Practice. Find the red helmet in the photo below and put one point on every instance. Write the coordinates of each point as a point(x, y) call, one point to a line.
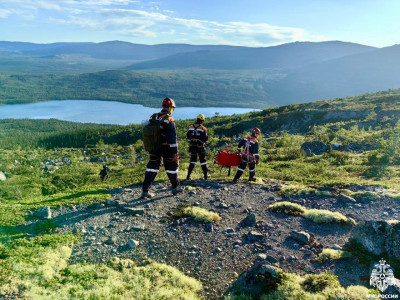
point(256, 131)
point(168, 102)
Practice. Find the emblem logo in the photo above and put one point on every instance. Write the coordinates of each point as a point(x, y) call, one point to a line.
point(382, 276)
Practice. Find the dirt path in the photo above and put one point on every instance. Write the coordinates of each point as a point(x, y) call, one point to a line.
point(216, 258)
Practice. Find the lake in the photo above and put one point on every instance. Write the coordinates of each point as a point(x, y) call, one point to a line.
point(104, 112)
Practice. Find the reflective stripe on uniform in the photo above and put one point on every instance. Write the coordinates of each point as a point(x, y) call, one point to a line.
point(204, 163)
point(240, 169)
point(172, 172)
point(251, 142)
point(191, 128)
point(252, 170)
point(193, 162)
point(166, 121)
point(152, 170)
point(173, 145)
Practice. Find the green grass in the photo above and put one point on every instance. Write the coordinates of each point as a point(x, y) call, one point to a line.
point(324, 286)
point(38, 269)
point(332, 255)
point(320, 216)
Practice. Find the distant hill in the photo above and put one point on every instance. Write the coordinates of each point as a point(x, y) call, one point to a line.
point(108, 50)
point(347, 76)
point(285, 56)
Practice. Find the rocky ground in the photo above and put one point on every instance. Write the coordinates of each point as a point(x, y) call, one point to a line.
point(134, 228)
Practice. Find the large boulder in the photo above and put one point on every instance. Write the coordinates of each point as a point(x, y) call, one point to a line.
point(314, 148)
point(379, 237)
point(43, 213)
point(250, 283)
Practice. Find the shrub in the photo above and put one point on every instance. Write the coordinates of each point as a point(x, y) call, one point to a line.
point(332, 254)
point(288, 208)
point(327, 216)
point(317, 283)
point(201, 214)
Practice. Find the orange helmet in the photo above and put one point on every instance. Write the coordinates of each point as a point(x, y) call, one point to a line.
point(168, 102)
point(256, 131)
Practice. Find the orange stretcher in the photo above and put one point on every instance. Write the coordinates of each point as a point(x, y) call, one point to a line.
point(228, 159)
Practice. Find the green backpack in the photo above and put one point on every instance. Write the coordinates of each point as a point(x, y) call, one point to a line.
point(152, 134)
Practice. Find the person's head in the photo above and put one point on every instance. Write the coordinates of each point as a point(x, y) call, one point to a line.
point(168, 104)
point(256, 132)
point(200, 118)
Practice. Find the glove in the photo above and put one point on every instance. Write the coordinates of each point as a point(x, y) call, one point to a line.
point(176, 157)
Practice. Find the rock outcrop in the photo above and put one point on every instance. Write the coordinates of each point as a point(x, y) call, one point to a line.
point(379, 237)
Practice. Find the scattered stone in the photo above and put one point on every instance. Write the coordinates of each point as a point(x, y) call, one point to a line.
point(95, 206)
point(196, 204)
point(111, 202)
point(222, 205)
point(133, 244)
point(271, 198)
point(133, 211)
point(314, 148)
point(346, 199)
point(261, 256)
point(218, 250)
point(209, 227)
point(254, 236)
point(229, 230)
point(43, 213)
point(249, 221)
point(2, 176)
point(336, 247)
point(301, 237)
point(110, 241)
point(272, 259)
point(139, 227)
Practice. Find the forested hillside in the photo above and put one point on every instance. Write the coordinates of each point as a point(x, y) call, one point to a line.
point(63, 231)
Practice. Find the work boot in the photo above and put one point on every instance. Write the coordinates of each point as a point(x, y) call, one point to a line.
point(206, 175)
point(235, 181)
point(188, 177)
point(177, 190)
point(147, 195)
point(252, 179)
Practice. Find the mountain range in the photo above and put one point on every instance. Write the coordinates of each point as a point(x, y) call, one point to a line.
point(277, 75)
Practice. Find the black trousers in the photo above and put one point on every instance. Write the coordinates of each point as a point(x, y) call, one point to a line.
point(153, 167)
point(196, 151)
point(243, 164)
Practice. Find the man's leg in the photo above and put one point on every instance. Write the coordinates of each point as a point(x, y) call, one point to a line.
point(153, 167)
point(241, 169)
point(193, 162)
point(171, 168)
point(252, 170)
point(203, 162)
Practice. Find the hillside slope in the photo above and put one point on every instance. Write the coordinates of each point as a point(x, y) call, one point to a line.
point(367, 72)
point(289, 56)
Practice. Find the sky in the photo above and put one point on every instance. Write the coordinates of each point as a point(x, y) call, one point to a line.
point(254, 23)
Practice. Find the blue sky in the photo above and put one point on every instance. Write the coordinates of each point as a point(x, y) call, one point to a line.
point(235, 22)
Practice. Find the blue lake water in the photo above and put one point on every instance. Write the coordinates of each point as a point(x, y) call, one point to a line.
point(104, 112)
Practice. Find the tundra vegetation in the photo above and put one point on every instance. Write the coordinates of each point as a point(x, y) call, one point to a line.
point(54, 163)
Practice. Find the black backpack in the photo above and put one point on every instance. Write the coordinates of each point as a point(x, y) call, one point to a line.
point(152, 140)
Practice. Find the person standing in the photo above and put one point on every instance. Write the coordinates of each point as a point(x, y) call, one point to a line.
point(198, 137)
point(167, 152)
point(249, 155)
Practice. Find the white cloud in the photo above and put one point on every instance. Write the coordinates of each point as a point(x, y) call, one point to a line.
point(128, 18)
point(4, 13)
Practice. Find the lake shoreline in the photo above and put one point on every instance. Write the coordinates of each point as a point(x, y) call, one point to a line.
point(106, 112)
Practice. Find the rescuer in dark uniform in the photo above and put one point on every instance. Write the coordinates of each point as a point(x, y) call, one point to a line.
point(167, 153)
point(249, 155)
point(197, 136)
